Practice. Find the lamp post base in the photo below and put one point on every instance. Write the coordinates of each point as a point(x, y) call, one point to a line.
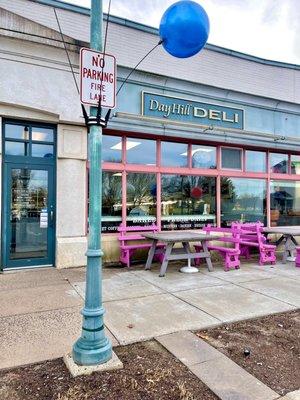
point(76, 370)
point(86, 352)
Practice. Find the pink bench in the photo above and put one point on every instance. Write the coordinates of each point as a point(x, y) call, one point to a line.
point(251, 236)
point(131, 240)
point(297, 257)
point(230, 254)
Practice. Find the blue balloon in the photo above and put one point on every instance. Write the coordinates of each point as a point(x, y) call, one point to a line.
point(184, 29)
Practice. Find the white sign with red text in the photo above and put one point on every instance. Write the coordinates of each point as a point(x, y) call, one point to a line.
point(97, 78)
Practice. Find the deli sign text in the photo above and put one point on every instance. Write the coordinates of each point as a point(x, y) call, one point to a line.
point(183, 110)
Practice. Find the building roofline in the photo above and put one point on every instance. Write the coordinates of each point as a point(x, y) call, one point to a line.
point(154, 31)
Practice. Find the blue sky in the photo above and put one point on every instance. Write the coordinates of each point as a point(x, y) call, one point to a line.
point(265, 28)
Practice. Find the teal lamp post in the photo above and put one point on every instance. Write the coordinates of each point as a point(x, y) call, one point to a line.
point(184, 30)
point(93, 347)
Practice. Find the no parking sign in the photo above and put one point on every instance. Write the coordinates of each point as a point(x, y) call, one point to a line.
point(97, 78)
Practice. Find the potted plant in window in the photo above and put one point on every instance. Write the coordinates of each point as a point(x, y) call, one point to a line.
point(274, 216)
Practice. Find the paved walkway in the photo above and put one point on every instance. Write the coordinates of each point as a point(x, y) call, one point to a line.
point(223, 376)
point(40, 309)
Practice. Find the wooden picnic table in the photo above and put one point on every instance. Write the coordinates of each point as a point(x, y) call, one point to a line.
point(183, 253)
point(288, 237)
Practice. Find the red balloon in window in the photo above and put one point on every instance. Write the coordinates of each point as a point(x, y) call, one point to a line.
point(196, 192)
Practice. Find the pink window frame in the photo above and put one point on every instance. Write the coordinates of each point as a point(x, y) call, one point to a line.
point(218, 172)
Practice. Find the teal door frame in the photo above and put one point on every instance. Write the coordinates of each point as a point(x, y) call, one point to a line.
point(10, 162)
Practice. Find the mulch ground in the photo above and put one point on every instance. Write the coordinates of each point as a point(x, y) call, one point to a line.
point(274, 346)
point(150, 372)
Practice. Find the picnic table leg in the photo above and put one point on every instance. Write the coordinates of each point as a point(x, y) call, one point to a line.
point(278, 242)
point(290, 246)
point(285, 251)
point(151, 255)
point(164, 264)
point(294, 240)
point(208, 259)
point(188, 250)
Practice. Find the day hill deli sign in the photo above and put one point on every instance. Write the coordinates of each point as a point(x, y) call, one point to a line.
point(183, 110)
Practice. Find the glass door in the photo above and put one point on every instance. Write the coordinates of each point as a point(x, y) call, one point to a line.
point(29, 221)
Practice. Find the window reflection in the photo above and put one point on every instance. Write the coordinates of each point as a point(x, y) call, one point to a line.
point(111, 148)
point(295, 164)
point(285, 203)
point(231, 158)
point(42, 150)
point(16, 149)
point(29, 197)
point(42, 134)
point(140, 151)
point(111, 201)
point(16, 131)
point(278, 163)
point(187, 202)
point(204, 157)
point(174, 154)
point(243, 199)
point(255, 161)
point(141, 199)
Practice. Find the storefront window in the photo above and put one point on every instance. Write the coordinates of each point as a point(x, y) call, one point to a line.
point(279, 163)
point(204, 157)
point(255, 161)
point(174, 154)
point(187, 202)
point(243, 199)
point(141, 199)
point(140, 151)
point(285, 203)
point(231, 158)
point(111, 201)
point(111, 148)
point(295, 165)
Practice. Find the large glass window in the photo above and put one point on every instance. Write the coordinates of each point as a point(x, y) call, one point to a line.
point(255, 161)
point(204, 157)
point(141, 151)
point(285, 203)
point(187, 202)
point(111, 148)
point(111, 201)
point(29, 140)
point(295, 164)
point(243, 199)
point(174, 154)
point(279, 163)
point(141, 199)
point(231, 158)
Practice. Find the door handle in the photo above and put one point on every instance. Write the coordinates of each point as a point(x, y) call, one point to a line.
point(51, 216)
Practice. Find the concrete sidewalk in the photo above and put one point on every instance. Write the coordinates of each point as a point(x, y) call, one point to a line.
point(40, 309)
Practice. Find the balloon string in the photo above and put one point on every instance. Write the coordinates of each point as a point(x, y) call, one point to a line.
point(128, 76)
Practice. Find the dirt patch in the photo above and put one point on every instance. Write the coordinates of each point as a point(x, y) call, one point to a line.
point(150, 372)
point(274, 346)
